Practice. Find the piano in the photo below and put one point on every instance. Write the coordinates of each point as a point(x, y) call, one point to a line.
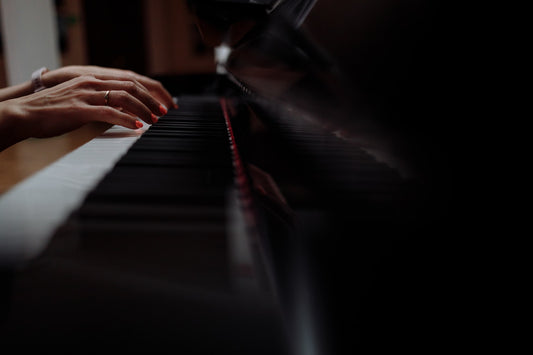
point(293, 204)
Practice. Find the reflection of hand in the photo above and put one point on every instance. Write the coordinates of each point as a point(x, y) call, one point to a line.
point(63, 74)
point(71, 104)
point(269, 192)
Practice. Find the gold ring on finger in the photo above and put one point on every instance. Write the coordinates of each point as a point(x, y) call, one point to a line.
point(106, 97)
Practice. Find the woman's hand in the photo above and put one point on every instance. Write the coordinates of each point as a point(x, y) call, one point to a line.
point(58, 76)
point(73, 103)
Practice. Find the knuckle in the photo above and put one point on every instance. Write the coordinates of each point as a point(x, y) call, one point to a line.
point(122, 94)
point(131, 87)
point(122, 97)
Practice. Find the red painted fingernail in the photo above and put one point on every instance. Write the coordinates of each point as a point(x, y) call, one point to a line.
point(138, 124)
point(176, 106)
point(163, 109)
point(154, 118)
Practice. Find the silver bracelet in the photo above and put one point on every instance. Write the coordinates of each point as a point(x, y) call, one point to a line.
point(36, 79)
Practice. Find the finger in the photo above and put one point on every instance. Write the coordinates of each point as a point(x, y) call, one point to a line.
point(153, 86)
point(57, 76)
point(123, 99)
point(112, 116)
point(158, 90)
point(119, 77)
point(134, 90)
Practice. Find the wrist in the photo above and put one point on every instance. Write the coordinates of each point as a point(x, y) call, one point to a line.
point(13, 126)
point(15, 91)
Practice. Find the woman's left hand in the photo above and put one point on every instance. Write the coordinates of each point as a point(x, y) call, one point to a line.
point(58, 76)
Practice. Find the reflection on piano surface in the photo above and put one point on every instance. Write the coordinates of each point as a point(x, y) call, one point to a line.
point(276, 211)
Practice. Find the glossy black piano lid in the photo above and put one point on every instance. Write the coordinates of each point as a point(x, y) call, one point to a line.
point(378, 69)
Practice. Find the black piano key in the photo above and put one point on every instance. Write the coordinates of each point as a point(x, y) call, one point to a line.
point(169, 176)
point(169, 159)
point(164, 202)
point(141, 211)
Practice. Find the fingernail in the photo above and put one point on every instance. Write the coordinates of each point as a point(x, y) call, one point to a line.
point(154, 118)
point(138, 124)
point(175, 106)
point(163, 109)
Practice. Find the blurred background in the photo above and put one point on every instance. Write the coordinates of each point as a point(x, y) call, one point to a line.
point(396, 53)
point(152, 37)
point(157, 38)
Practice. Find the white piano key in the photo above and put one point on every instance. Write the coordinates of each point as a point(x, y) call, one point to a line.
point(31, 211)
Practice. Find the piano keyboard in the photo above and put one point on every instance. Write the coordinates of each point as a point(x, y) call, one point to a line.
point(171, 189)
point(156, 256)
point(31, 211)
point(161, 247)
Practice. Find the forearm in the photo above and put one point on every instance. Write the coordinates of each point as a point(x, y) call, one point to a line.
point(12, 128)
point(15, 91)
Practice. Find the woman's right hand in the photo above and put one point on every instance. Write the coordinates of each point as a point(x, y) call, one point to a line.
point(71, 104)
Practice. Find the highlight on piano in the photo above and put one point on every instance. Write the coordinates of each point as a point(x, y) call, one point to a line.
point(294, 201)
